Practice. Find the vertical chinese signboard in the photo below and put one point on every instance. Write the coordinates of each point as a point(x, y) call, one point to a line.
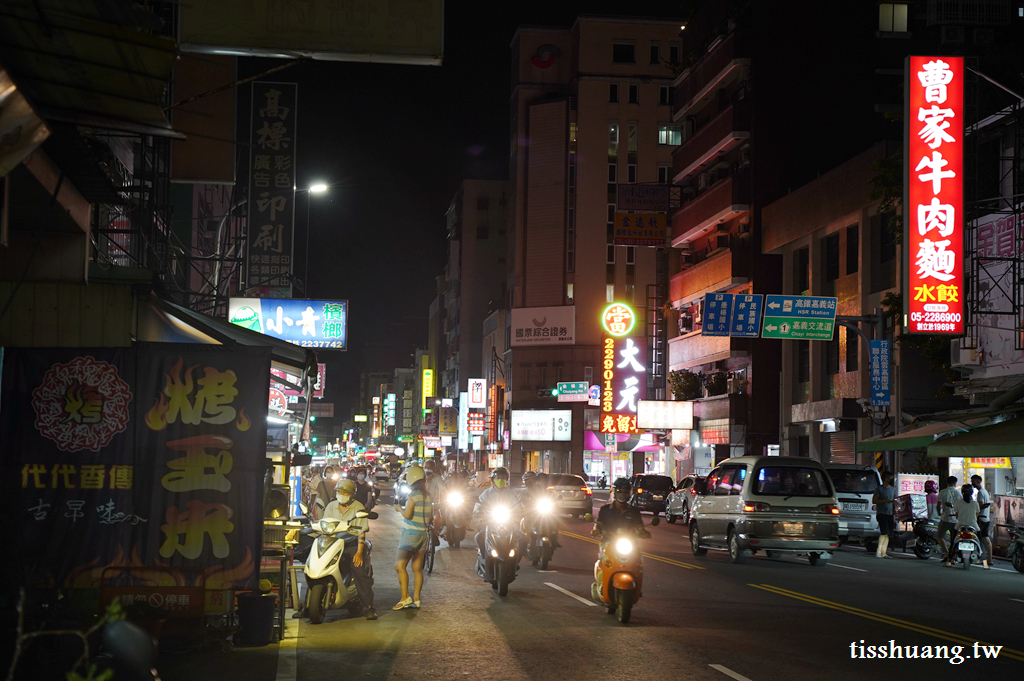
point(623, 370)
point(136, 457)
point(933, 207)
point(270, 257)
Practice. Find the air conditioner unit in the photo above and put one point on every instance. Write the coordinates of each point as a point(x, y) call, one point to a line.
point(952, 35)
point(685, 323)
point(962, 357)
point(745, 155)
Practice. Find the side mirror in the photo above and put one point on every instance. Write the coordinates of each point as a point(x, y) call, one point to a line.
point(589, 517)
point(655, 521)
point(131, 646)
point(303, 508)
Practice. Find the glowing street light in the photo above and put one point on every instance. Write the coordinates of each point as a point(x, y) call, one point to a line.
point(318, 188)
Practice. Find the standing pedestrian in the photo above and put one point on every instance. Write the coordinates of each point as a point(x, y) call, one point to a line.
point(931, 500)
point(412, 545)
point(947, 515)
point(884, 500)
point(984, 519)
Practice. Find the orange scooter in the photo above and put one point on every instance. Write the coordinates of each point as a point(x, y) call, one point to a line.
point(619, 571)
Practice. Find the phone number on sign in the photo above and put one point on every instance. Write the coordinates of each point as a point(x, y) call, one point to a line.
point(336, 345)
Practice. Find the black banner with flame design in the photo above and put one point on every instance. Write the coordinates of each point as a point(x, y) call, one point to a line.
point(152, 455)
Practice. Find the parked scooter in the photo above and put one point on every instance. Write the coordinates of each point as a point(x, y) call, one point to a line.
point(499, 561)
point(329, 588)
point(619, 571)
point(1015, 552)
point(455, 521)
point(923, 539)
point(966, 548)
point(542, 531)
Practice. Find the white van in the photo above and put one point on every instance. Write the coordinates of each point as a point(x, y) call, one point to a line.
point(766, 503)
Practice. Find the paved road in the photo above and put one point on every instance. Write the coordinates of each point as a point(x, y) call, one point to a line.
point(700, 618)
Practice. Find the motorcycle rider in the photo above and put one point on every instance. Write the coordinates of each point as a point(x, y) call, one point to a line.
point(344, 508)
point(618, 514)
point(535, 491)
point(499, 494)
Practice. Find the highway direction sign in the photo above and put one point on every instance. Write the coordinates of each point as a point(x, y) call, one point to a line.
point(799, 317)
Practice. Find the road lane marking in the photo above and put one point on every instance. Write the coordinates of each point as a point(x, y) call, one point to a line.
point(581, 599)
point(1017, 599)
point(728, 672)
point(670, 561)
point(845, 567)
point(885, 619)
point(287, 660)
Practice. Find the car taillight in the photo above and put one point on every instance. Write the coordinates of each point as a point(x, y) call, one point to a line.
point(693, 491)
point(639, 490)
point(756, 507)
point(831, 509)
point(586, 490)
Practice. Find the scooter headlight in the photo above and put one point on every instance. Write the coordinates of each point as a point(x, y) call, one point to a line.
point(494, 553)
point(404, 489)
point(501, 514)
point(545, 506)
point(512, 553)
point(454, 499)
point(623, 546)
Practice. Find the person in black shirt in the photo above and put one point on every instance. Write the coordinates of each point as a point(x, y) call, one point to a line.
point(618, 514)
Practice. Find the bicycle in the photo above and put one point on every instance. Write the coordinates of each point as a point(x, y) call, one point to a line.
point(428, 558)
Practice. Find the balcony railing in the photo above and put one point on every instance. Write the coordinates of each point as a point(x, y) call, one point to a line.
point(712, 68)
point(722, 270)
point(723, 201)
point(694, 349)
point(726, 130)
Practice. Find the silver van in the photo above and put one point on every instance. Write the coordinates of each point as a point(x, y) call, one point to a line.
point(855, 485)
point(775, 504)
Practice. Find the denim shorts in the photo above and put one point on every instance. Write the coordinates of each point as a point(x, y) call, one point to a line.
point(412, 541)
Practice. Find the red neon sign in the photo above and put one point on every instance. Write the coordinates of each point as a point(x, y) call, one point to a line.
point(933, 216)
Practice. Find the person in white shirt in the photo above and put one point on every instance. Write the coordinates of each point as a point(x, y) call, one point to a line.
point(354, 559)
point(947, 517)
point(967, 511)
point(984, 500)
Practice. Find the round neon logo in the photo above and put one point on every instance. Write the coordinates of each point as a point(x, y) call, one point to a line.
point(618, 319)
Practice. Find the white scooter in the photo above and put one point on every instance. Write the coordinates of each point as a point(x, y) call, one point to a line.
point(329, 588)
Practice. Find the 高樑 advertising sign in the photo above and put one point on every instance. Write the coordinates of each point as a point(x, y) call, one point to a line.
point(934, 205)
point(307, 323)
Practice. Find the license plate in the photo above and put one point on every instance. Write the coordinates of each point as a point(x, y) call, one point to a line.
point(854, 505)
point(657, 497)
point(966, 546)
point(568, 493)
point(911, 543)
point(792, 528)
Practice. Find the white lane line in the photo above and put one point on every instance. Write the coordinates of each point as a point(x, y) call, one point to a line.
point(845, 567)
point(287, 659)
point(582, 600)
point(1017, 599)
point(728, 672)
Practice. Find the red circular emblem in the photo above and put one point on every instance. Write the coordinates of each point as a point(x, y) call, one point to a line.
point(82, 404)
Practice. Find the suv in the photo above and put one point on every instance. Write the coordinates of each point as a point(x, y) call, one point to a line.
point(775, 504)
point(574, 495)
point(855, 485)
point(650, 492)
point(680, 501)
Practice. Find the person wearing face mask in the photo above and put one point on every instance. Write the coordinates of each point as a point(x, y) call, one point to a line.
point(364, 491)
point(354, 559)
point(618, 514)
point(499, 494)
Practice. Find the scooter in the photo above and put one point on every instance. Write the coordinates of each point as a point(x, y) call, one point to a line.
point(1015, 551)
point(542, 531)
point(619, 572)
point(966, 548)
point(454, 518)
point(499, 561)
point(329, 588)
point(923, 539)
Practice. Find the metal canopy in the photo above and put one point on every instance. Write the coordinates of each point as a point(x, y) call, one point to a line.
point(920, 437)
point(83, 70)
point(1002, 439)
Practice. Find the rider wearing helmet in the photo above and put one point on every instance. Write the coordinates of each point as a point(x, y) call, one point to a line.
point(618, 514)
point(535, 491)
point(931, 497)
point(354, 560)
point(499, 494)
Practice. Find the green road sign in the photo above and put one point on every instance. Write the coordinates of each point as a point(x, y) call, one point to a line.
point(799, 318)
point(579, 388)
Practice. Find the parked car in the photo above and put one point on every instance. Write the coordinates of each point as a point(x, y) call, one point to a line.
point(855, 485)
point(650, 492)
point(766, 503)
point(574, 495)
point(680, 501)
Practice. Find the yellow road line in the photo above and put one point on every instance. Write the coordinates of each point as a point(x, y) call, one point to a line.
point(885, 619)
point(662, 559)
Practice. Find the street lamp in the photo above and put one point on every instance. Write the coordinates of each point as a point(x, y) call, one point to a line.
point(318, 188)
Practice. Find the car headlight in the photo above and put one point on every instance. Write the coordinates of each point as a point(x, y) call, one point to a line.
point(500, 514)
point(404, 489)
point(623, 546)
point(454, 500)
point(545, 506)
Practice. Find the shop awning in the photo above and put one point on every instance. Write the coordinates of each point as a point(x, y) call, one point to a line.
point(922, 436)
point(1001, 439)
point(165, 322)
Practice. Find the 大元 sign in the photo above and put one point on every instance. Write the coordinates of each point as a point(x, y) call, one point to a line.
point(543, 325)
point(624, 383)
point(933, 234)
point(307, 323)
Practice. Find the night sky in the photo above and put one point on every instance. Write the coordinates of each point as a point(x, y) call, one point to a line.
point(399, 140)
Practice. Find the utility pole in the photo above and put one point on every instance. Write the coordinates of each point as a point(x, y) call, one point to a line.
point(877, 321)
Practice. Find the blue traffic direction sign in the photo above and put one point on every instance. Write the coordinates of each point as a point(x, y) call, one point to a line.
point(732, 314)
point(717, 309)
